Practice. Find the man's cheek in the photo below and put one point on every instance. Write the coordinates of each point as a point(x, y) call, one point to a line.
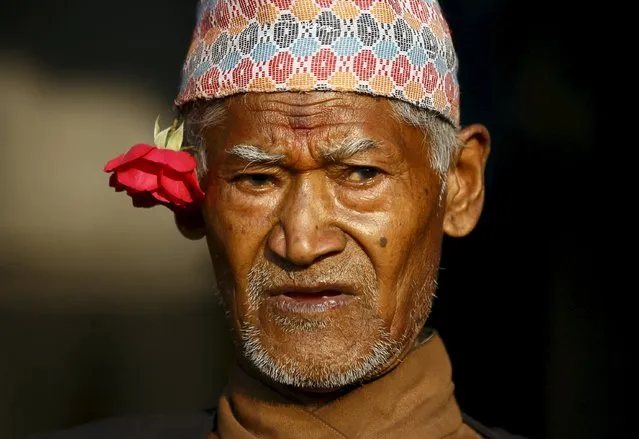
point(243, 237)
point(234, 217)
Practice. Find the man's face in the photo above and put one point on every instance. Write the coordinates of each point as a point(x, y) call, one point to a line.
point(324, 223)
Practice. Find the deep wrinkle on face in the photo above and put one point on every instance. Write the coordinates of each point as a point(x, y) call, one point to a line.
point(281, 203)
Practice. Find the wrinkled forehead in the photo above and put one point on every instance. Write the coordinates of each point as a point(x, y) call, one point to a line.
point(311, 111)
point(322, 122)
point(308, 109)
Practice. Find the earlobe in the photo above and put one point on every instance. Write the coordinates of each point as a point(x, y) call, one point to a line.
point(191, 224)
point(465, 181)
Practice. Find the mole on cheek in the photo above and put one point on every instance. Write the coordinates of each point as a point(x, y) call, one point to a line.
point(383, 241)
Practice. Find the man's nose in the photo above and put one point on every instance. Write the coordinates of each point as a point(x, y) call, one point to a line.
point(306, 231)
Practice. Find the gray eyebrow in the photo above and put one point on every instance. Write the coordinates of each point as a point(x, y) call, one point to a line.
point(255, 154)
point(349, 148)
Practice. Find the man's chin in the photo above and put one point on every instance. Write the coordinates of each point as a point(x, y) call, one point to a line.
point(317, 354)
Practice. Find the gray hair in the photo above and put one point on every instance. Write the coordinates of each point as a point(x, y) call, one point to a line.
point(442, 135)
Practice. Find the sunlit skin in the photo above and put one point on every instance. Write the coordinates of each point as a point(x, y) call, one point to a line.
point(362, 231)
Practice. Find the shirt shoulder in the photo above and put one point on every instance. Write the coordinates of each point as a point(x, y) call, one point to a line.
point(156, 426)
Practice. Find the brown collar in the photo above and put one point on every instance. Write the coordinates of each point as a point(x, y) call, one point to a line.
point(414, 400)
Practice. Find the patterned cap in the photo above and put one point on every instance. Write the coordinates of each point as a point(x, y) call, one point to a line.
point(395, 48)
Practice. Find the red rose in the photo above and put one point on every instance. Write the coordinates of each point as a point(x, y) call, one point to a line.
point(153, 176)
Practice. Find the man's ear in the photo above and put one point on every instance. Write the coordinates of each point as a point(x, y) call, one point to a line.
point(191, 223)
point(465, 181)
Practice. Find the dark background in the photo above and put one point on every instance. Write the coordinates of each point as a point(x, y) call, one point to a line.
point(105, 311)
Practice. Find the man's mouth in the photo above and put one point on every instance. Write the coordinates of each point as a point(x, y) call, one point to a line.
point(311, 300)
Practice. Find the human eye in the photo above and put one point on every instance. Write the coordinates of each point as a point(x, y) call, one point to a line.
point(361, 174)
point(254, 181)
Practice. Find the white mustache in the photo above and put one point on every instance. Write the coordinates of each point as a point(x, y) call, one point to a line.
point(265, 276)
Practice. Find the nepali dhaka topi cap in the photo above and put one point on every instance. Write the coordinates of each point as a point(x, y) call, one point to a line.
point(400, 49)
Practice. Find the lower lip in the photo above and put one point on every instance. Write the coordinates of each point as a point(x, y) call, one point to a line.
point(310, 303)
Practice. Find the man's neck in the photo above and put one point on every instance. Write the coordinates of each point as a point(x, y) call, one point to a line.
point(315, 398)
point(414, 399)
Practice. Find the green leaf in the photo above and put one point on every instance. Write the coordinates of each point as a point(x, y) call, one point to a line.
point(156, 129)
point(160, 138)
point(175, 137)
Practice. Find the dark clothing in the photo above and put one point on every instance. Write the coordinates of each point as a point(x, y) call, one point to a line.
point(188, 426)
point(488, 433)
point(414, 400)
point(160, 426)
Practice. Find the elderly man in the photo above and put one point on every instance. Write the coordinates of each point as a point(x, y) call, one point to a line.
point(330, 162)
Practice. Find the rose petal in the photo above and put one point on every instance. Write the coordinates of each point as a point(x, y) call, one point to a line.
point(113, 163)
point(144, 199)
point(141, 176)
point(180, 161)
point(172, 203)
point(194, 185)
point(135, 153)
point(174, 185)
point(158, 196)
point(113, 182)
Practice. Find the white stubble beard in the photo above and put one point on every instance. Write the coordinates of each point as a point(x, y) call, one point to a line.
point(290, 371)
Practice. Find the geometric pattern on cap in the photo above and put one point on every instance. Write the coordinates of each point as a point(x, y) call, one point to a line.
point(400, 49)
